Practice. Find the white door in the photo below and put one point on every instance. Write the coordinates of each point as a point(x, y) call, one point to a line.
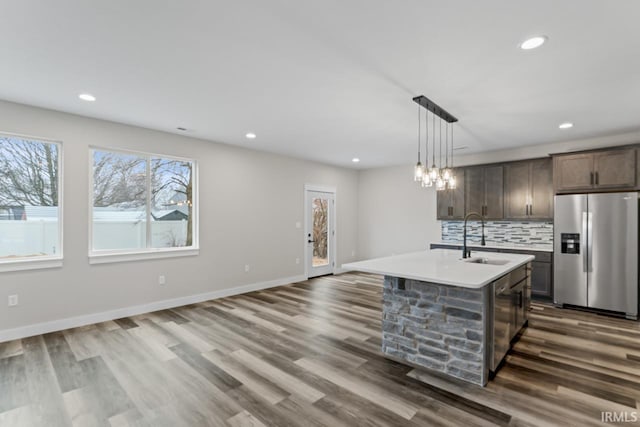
point(320, 232)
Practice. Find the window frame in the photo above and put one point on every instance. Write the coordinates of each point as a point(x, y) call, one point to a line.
point(139, 254)
point(44, 261)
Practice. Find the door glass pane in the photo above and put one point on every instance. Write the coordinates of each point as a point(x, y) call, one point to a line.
point(320, 232)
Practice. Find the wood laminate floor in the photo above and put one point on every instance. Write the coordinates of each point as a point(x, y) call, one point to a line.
point(308, 354)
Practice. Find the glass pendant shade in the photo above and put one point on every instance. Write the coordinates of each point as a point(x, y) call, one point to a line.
point(418, 172)
point(434, 172)
point(426, 182)
point(452, 182)
point(440, 183)
point(446, 174)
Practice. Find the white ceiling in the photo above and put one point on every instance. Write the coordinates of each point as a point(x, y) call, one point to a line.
point(331, 79)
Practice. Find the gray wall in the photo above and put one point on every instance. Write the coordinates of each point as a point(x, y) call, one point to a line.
point(396, 215)
point(249, 204)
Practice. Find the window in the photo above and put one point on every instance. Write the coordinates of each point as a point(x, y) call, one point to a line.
point(142, 204)
point(30, 208)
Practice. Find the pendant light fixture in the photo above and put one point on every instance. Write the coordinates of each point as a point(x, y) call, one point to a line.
point(452, 180)
point(426, 179)
point(419, 169)
point(440, 182)
point(434, 172)
point(440, 175)
point(446, 173)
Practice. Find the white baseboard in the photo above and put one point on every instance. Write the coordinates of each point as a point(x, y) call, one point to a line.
point(88, 319)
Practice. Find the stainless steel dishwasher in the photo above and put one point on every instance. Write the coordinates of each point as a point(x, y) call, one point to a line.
point(510, 306)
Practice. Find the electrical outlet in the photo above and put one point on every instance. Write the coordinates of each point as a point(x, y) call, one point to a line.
point(246, 268)
point(297, 260)
point(298, 225)
point(13, 300)
point(353, 253)
point(162, 280)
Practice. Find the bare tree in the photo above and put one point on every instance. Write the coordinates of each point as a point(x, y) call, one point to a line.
point(28, 172)
point(118, 179)
point(320, 227)
point(171, 177)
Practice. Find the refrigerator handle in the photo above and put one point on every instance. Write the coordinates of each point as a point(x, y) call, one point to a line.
point(585, 245)
point(590, 242)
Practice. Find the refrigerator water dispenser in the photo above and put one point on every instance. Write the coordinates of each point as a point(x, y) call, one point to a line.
point(570, 243)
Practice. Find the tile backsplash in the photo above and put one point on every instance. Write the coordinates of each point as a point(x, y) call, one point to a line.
point(515, 232)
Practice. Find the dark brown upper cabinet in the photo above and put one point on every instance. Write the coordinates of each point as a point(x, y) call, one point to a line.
point(484, 191)
point(605, 170)
point(451, 202)
point(528, 190)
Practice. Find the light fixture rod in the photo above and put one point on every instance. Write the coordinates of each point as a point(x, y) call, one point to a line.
point(426, 138)
point(419, 139)
point(452, 145)
point(433, 140)
point(440, 150)
point(434, 108)
point(446, 145)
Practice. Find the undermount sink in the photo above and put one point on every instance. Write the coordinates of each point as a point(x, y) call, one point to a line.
point(480, 260)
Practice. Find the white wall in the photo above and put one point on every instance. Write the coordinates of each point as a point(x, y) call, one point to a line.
point(249, 204)
point(396, 214)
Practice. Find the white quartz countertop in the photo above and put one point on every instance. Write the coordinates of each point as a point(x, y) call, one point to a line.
point(522, 247)
point(443, 266)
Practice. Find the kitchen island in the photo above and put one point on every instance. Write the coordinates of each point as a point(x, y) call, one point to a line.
point(454, 316)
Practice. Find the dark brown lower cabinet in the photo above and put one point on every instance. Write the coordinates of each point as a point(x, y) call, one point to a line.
point(542, 280)
point(542, 267)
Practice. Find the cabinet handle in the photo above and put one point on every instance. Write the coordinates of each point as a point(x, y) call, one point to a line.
point(592, 181)
point(526, 209)
point(530, 210)
point(597, 178)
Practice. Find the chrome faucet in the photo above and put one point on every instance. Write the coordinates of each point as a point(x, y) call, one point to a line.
point(466, 253)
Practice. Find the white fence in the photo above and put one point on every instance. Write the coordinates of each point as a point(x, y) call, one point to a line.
point(32, 238)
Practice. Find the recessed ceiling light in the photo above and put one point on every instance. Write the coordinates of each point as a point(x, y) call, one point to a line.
point(87, 97)
point(462, 147)
point(566, 125)
point(355, 160)
point(182, 129)
point(533, 42)
point(251, 135)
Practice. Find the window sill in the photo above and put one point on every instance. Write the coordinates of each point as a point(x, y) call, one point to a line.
point(30, 264)
point(105, 258)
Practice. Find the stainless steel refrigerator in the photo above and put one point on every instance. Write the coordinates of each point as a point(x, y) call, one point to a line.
point(596, 252)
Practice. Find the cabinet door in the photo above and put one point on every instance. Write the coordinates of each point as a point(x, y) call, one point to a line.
point(457, 195)
point(494, 192)
point(541, 200)
point(474, 189)
point(517, 185)
point(573, 172)
point(444, 204)
point(615, 168)
point(541, 281)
